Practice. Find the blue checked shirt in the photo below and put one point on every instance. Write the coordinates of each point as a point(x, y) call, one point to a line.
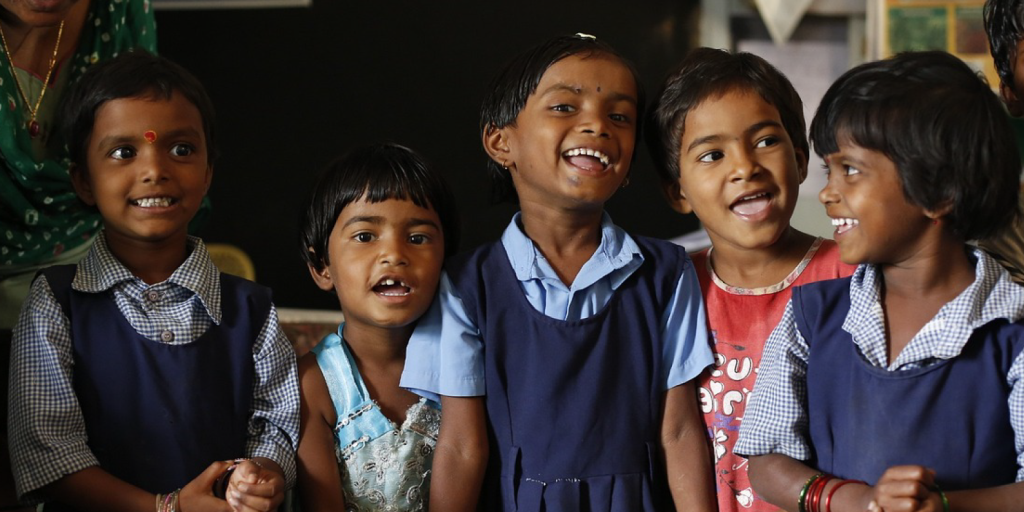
point(47, 432)
point(777, 419)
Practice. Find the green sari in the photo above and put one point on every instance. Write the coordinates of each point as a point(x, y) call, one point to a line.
point(40, 216)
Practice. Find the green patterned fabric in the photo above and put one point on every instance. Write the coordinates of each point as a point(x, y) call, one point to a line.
point(40, 216)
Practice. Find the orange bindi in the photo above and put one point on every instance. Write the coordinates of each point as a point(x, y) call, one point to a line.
point(150, 136)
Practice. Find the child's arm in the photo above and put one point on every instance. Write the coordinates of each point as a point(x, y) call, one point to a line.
point(319, 478)
point(274, 425)
point(685, 447)
point(93, 489)
point(461, 455)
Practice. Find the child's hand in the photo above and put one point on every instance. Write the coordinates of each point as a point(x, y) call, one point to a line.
point(256, 486)
point(197, 495)
point(906, 489)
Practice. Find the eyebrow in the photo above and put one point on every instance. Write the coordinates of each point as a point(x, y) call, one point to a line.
point(576, 89)
point(378, 220)
point(113, 140)
point(716, 137)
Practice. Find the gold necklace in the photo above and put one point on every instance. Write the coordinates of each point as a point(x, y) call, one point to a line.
point(32, 125)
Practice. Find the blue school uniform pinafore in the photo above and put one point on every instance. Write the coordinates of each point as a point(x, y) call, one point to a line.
point(158, 415)
point(951, 416)
point(574, 407)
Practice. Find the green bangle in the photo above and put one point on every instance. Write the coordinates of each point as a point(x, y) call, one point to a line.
point(800, 504)
point(945, 500)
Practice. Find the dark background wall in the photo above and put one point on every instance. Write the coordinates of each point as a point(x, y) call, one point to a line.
point(294, 88)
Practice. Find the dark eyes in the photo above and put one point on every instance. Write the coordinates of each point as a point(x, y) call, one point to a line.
point(711, 156)
point(767, 142)
point(366, 237)
point(123, 153)
point(182, 149)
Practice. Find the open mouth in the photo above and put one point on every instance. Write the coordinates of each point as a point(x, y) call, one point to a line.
point(752, 204)
point(391, 288)
point(844, 224)
point(588, 159)
point(153, 202)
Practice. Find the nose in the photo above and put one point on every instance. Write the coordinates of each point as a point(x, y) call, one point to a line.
point(828, 194)
point(155, 168)
point(594, 123)
point(393, 252)
point(745, 166)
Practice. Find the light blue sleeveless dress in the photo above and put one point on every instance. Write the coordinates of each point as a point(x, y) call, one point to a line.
point(383, 467)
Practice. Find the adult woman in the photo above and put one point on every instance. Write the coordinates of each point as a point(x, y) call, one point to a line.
point(49, 42)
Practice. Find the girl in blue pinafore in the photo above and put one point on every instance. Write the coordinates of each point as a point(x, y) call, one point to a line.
point(569, 343)
point(899, 388)
point(375, 233)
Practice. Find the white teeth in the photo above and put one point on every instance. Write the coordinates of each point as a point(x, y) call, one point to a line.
point(392, 282)
point(845, 222)
point(755, 196)
point(150, 202)
point(589, 152)
point(389, 282)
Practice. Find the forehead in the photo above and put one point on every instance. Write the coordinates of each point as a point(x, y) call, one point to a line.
point(597, 72)
point(389, 210)
point(136, 115)
point(734, 110)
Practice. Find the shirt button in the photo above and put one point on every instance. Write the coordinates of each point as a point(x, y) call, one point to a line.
point(153, 295)
point(167, 336)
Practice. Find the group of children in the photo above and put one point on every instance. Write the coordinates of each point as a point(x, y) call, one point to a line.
point(578, 367)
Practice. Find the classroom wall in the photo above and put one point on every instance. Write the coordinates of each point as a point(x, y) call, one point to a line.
point(294, 88)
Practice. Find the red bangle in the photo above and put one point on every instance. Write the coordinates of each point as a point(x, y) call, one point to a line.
point(818, 489)
point(828, 499)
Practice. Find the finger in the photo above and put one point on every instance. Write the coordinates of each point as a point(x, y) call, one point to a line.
point(913, 489)
point(874, 507)
point(242, 502)
point(898, 504)
point(919, 473)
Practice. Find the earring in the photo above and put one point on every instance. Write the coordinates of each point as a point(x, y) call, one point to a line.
point(625, 182)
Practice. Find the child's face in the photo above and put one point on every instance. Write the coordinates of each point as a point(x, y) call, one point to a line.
point(864, 198)
point(146, 169)
point(385, 263)
point(1013, 94)
point(571, 145)
point(738, 170)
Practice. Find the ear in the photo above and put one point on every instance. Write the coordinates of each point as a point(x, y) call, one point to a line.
point(209, 179)
point(939, 211)
point(801, 165)
point(1013, 104)
point(321, 277)
point(495, 142)
point(81, 184)
point(676, 199)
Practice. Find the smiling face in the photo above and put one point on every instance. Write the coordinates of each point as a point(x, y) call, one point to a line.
point(1013, 94)
point(864, 198)
point(146, 192)
point(385, 263)
point(738, 171)
point(572, 143)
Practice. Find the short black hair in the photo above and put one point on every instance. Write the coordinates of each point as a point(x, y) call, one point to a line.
point(711, 73)
point(517, 81)
point(133, 74)
point(940, 124)
point(375, 172)
point(1004, 25)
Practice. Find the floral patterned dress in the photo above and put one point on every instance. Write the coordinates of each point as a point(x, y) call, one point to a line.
point(384, 467)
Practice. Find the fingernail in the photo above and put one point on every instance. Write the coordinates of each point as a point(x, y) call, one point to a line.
point(236, 495)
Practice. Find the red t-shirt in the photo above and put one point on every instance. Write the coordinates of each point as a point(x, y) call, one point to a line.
point(740, 320)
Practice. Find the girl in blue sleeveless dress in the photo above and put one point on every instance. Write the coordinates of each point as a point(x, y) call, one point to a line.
point(567, 349)
point(898, 388)
point(375, 233)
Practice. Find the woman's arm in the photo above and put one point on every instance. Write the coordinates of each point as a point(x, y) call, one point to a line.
point(319, 478)
point(93, 489)
point(461, 455)
point(685, 447)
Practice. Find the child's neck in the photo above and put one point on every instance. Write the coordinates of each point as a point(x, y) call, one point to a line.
point(761, 266)
point(379, 353)
point(152, 263)
point(914, 290)
point(566, 239)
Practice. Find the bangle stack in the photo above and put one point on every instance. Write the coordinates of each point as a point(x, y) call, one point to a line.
point(167, 502)
point(811, 494)
point(942, 496)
